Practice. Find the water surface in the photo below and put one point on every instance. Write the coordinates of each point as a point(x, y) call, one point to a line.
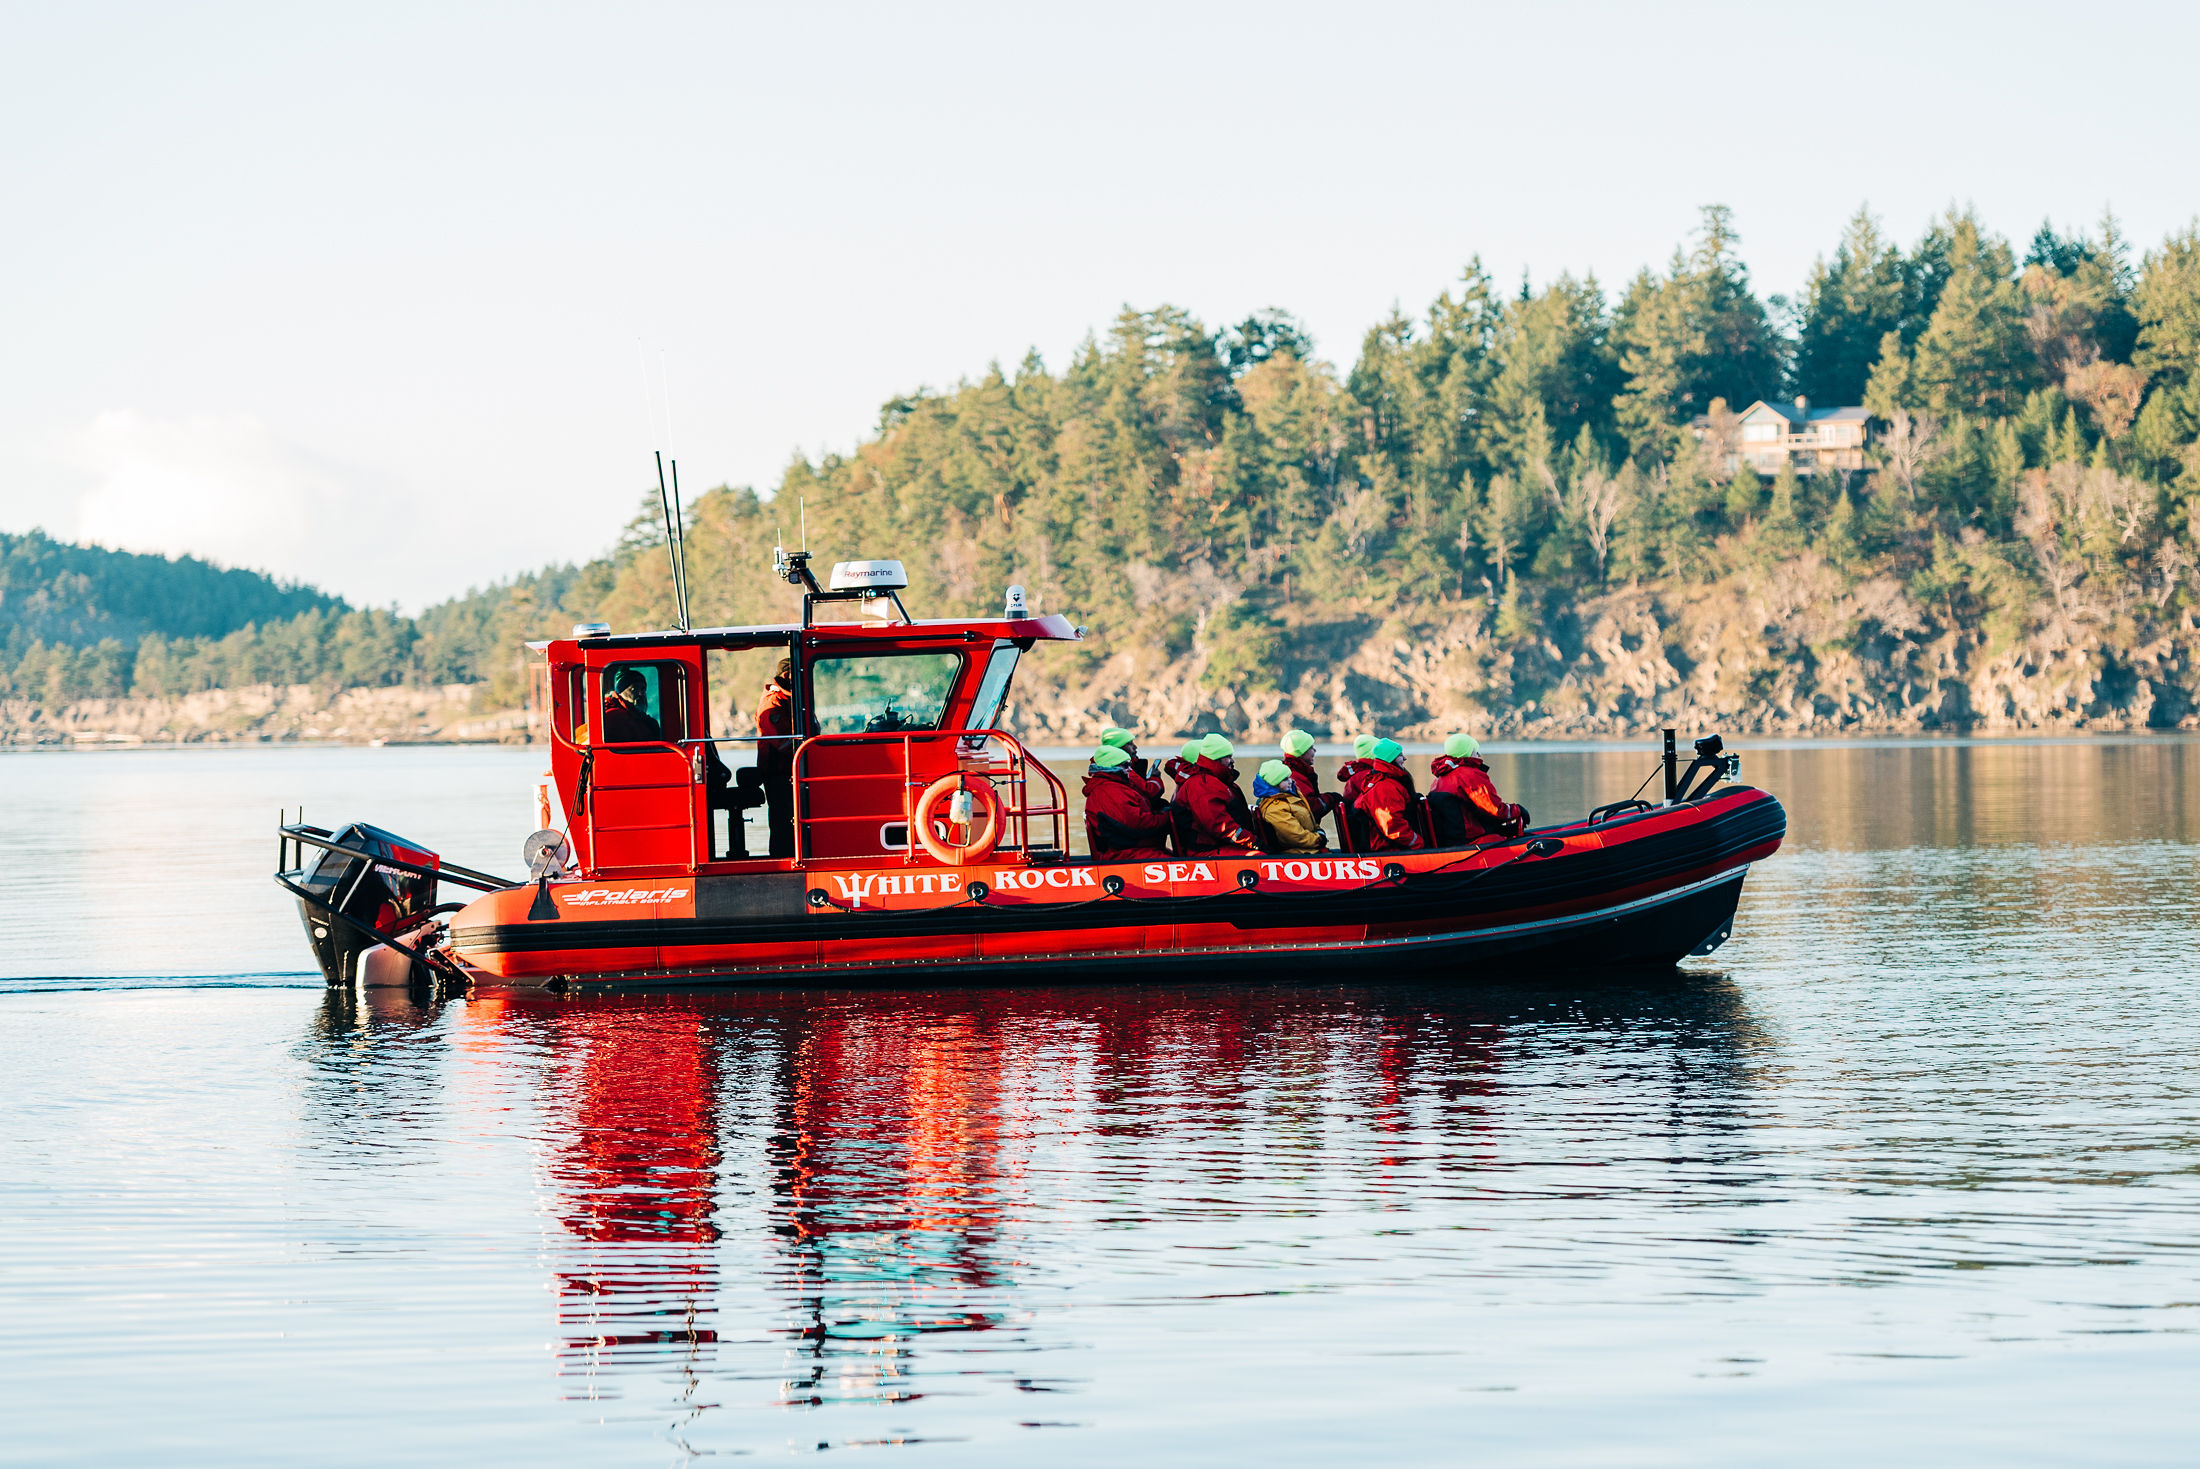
point(1910, 1168)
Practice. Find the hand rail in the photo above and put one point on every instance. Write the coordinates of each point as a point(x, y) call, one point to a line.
point(314, 836)
point(1016, 814)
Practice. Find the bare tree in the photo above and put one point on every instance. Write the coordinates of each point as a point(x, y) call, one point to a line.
point(2171, 562)
point(1909, 446)
point(1597, 500)
point(1722, 440)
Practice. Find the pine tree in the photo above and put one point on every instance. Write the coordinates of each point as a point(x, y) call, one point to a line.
point(1974, 356)
point(1849, 306)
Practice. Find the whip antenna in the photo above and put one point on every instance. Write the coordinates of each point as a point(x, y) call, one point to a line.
point(680, 544)
point(672, 542)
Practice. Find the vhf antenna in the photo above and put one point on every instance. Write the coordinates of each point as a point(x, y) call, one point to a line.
point(674, 547)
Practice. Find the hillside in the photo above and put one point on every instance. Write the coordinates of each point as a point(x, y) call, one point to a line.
point(55, 592)
point(1512, 514)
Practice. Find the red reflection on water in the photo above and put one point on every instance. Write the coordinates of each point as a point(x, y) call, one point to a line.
point(898, 1132)
point(634, 1162)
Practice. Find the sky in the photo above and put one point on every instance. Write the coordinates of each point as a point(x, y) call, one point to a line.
point(398, 299)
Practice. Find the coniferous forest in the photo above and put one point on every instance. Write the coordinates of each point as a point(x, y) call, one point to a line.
point(1517, 511)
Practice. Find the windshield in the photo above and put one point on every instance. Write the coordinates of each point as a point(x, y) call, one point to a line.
point(862, 695)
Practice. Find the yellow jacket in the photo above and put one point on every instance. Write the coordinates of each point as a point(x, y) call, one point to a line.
point(1291, 824)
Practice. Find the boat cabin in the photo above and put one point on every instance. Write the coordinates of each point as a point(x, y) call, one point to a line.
point(657, 754)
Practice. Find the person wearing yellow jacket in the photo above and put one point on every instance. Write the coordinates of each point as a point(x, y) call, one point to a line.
point(1288, 821)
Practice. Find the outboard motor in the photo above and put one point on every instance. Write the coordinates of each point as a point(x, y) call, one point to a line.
point(359, 877)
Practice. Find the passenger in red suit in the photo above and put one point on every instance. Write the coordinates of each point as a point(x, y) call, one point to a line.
point(1463, 804)
point(1212, 819)
point(775, 755)
point(1382, 793)
point(1123, 820)
point(1298, 748)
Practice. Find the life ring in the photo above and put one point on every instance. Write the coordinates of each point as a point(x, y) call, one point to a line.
point(981, 843)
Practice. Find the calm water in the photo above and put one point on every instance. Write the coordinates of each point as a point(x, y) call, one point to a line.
point(1910, 1168)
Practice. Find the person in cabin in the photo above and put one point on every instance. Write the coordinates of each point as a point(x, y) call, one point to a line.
point(1463, 804)
point(775, 755)
point(1298, 757)
point(626, 720)
point(1122, 821)
point(1289, 822)
point(1212, 819)
point(1382, 797)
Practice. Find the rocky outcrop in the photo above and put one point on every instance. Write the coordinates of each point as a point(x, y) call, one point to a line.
point(1795, 650)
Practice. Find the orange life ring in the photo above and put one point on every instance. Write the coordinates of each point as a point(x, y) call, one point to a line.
point(981, 843)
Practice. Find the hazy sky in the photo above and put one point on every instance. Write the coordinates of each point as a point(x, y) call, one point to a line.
point(354, 293)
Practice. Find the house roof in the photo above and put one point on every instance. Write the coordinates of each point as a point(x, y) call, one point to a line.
point(1793, 413)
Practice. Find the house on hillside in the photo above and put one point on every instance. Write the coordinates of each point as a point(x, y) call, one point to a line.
point(1770, 434)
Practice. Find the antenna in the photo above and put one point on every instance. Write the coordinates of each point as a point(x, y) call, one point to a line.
point(672, 543)
point(680, 544)
point(802, 508)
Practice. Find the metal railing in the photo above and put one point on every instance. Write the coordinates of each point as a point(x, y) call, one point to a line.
point(1012, 782)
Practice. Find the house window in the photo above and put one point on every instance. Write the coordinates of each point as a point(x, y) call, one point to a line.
point(1760, 433)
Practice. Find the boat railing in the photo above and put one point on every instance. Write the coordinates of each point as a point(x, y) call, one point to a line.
point(1010, 776)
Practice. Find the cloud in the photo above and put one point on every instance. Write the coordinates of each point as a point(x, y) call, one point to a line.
point(221, 487)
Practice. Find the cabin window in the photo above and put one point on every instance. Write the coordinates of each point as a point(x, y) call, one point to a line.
point(869, 695)
point(1758, 433)
point(985, 710)
point(644, 702)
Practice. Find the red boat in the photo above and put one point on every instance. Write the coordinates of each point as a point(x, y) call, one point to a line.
point(920, 842)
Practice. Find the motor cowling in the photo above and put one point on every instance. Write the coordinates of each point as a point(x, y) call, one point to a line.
point(359, 877)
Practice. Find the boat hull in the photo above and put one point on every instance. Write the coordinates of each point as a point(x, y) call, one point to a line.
point(1643, 890)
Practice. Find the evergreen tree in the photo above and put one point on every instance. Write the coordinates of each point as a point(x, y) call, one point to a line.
point(1849, 306)
point(1974, 355)
point(1696, 335)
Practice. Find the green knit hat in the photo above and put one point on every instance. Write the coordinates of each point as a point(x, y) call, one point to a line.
point(1215, 747)
point(1190, 752)
point(1459, 747)
point(1388, 750)
point(1117, 738)
point(1276, 773)
point(1363, 745)
point(1107, 757)
point(1297, 742)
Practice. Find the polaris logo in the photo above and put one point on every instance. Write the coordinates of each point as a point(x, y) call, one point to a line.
point(620, 897)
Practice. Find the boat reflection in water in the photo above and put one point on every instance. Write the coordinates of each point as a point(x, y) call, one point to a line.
point(790, 1194)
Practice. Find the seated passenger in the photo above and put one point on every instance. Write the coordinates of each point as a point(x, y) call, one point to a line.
point(625, 721)
point(1463, 804)
point(1298, 757)
point(1179, 765)
point(1382, 798)
point(1288, 820)
point(1122, 822)
point(1362, 747)
point(1212, 819)
point(1115, 737)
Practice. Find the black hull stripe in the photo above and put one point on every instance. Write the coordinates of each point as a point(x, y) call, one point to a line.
point(1537, 882)
point(1658, 931)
